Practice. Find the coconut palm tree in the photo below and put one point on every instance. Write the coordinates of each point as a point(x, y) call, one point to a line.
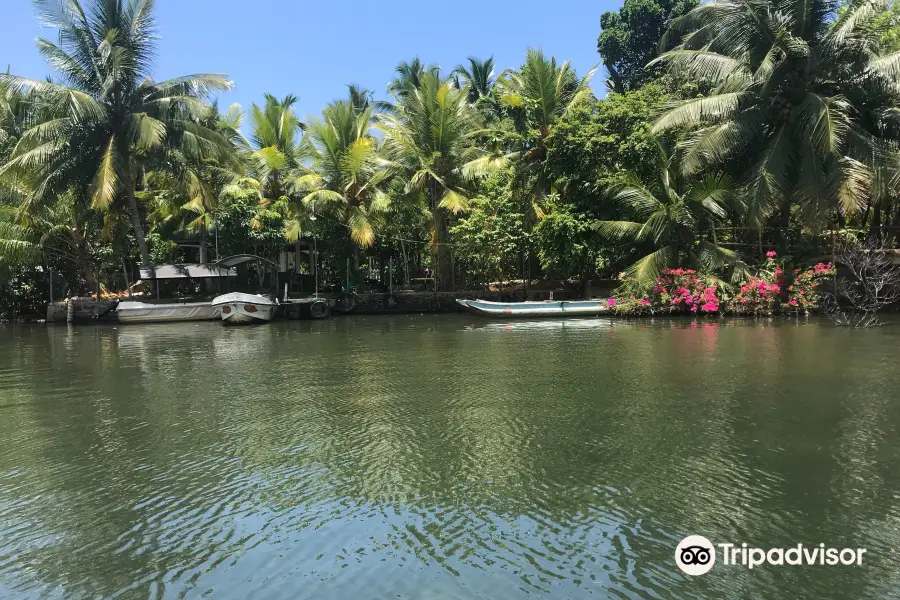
point(186, 189)
point(409, 76)
point(803, 105)
point(359, 97)
point(59, 230)
point(430, 139)
point(110, 116)
point(276, 138)
point(537, 97)
point(674, 217)
point(478, 77)
point(347, 171)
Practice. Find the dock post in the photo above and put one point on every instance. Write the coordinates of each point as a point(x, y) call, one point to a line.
point(70, 310)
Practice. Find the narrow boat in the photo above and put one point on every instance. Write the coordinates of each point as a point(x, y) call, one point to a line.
point(547, 308)
point(238, 307)
point(145, 312)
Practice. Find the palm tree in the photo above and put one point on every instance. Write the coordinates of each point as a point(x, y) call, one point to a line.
point(430, 140)
point(359, 97)
point(409, 76)
point(110, 116)
point(478, 77)
point(58, 230)
point(186, 189)
point(347, 171)
point(278, 147)
point(673, 216)
point(537, 97)
point(802, 102)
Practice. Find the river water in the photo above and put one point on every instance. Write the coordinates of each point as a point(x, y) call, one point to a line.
point(444, 457)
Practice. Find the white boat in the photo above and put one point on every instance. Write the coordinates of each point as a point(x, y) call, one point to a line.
point(144, 312)
point(237, 307)
point(546, 308)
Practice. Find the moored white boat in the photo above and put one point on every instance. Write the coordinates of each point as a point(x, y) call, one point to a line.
point(238, 307)
point(547, 308)
point(145, 312)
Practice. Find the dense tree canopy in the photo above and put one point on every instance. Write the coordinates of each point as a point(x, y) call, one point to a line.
point(779, 121)
point(630, 39)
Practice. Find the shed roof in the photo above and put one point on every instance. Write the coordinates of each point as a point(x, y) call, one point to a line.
point(185, 271)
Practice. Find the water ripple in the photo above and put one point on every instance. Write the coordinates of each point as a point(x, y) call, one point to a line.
point(441, 457)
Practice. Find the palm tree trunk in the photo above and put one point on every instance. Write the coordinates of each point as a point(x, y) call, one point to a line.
point(79, 245)
point(444, 267)
point(875, 227)
point(136, 222)
point(204, 253)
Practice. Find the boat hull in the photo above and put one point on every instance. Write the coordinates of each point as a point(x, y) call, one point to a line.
point(244, 309)
point(141, 312)
point(550, 308)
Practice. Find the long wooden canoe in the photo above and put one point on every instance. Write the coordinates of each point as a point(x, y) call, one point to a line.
point(547, 308)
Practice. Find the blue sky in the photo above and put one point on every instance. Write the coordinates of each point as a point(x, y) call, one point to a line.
point(313, 49)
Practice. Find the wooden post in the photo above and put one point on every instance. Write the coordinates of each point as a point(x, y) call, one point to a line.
point(51, 285)
point(70, 310)
point(391, 275)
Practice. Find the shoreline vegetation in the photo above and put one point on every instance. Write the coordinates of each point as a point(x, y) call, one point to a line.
point(745, 160)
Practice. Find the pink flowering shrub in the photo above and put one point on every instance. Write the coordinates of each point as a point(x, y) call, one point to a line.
point(805, 293)
point(677, 291)
point(630, 305)
point(762, 293)
point(756, 297)
point(683, 291)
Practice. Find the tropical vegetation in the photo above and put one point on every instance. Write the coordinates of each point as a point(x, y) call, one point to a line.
point(729, 129)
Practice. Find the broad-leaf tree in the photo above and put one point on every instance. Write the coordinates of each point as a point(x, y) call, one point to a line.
point(630, 39)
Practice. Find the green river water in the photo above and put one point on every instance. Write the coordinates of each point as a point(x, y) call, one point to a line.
point(445, 457)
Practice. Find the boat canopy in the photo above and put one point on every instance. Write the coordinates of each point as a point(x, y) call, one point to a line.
point(186, 271)
point(239, 259)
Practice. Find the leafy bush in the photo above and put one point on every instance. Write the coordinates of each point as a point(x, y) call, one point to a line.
point(684, 291)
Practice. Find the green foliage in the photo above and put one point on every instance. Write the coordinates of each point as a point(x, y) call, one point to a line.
point(801, 108)
point(630, 39)
point(568, 244)
point(108, 118)
point(592, 145)
point(490, 240)
point(430, 140)
point(673, 217)
point(347, 171)
point(780, 122)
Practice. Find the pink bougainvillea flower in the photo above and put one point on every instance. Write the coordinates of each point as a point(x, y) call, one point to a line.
point(793, 303)
point(778, 271)
point(770, 254)
point(611, 302)
point(745, 300)
point(694, 308)
point(645, 302)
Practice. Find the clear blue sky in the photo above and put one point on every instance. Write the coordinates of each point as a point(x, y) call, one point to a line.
point(313, 49)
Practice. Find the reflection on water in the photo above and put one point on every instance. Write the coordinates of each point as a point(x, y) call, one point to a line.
point(407, 457)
